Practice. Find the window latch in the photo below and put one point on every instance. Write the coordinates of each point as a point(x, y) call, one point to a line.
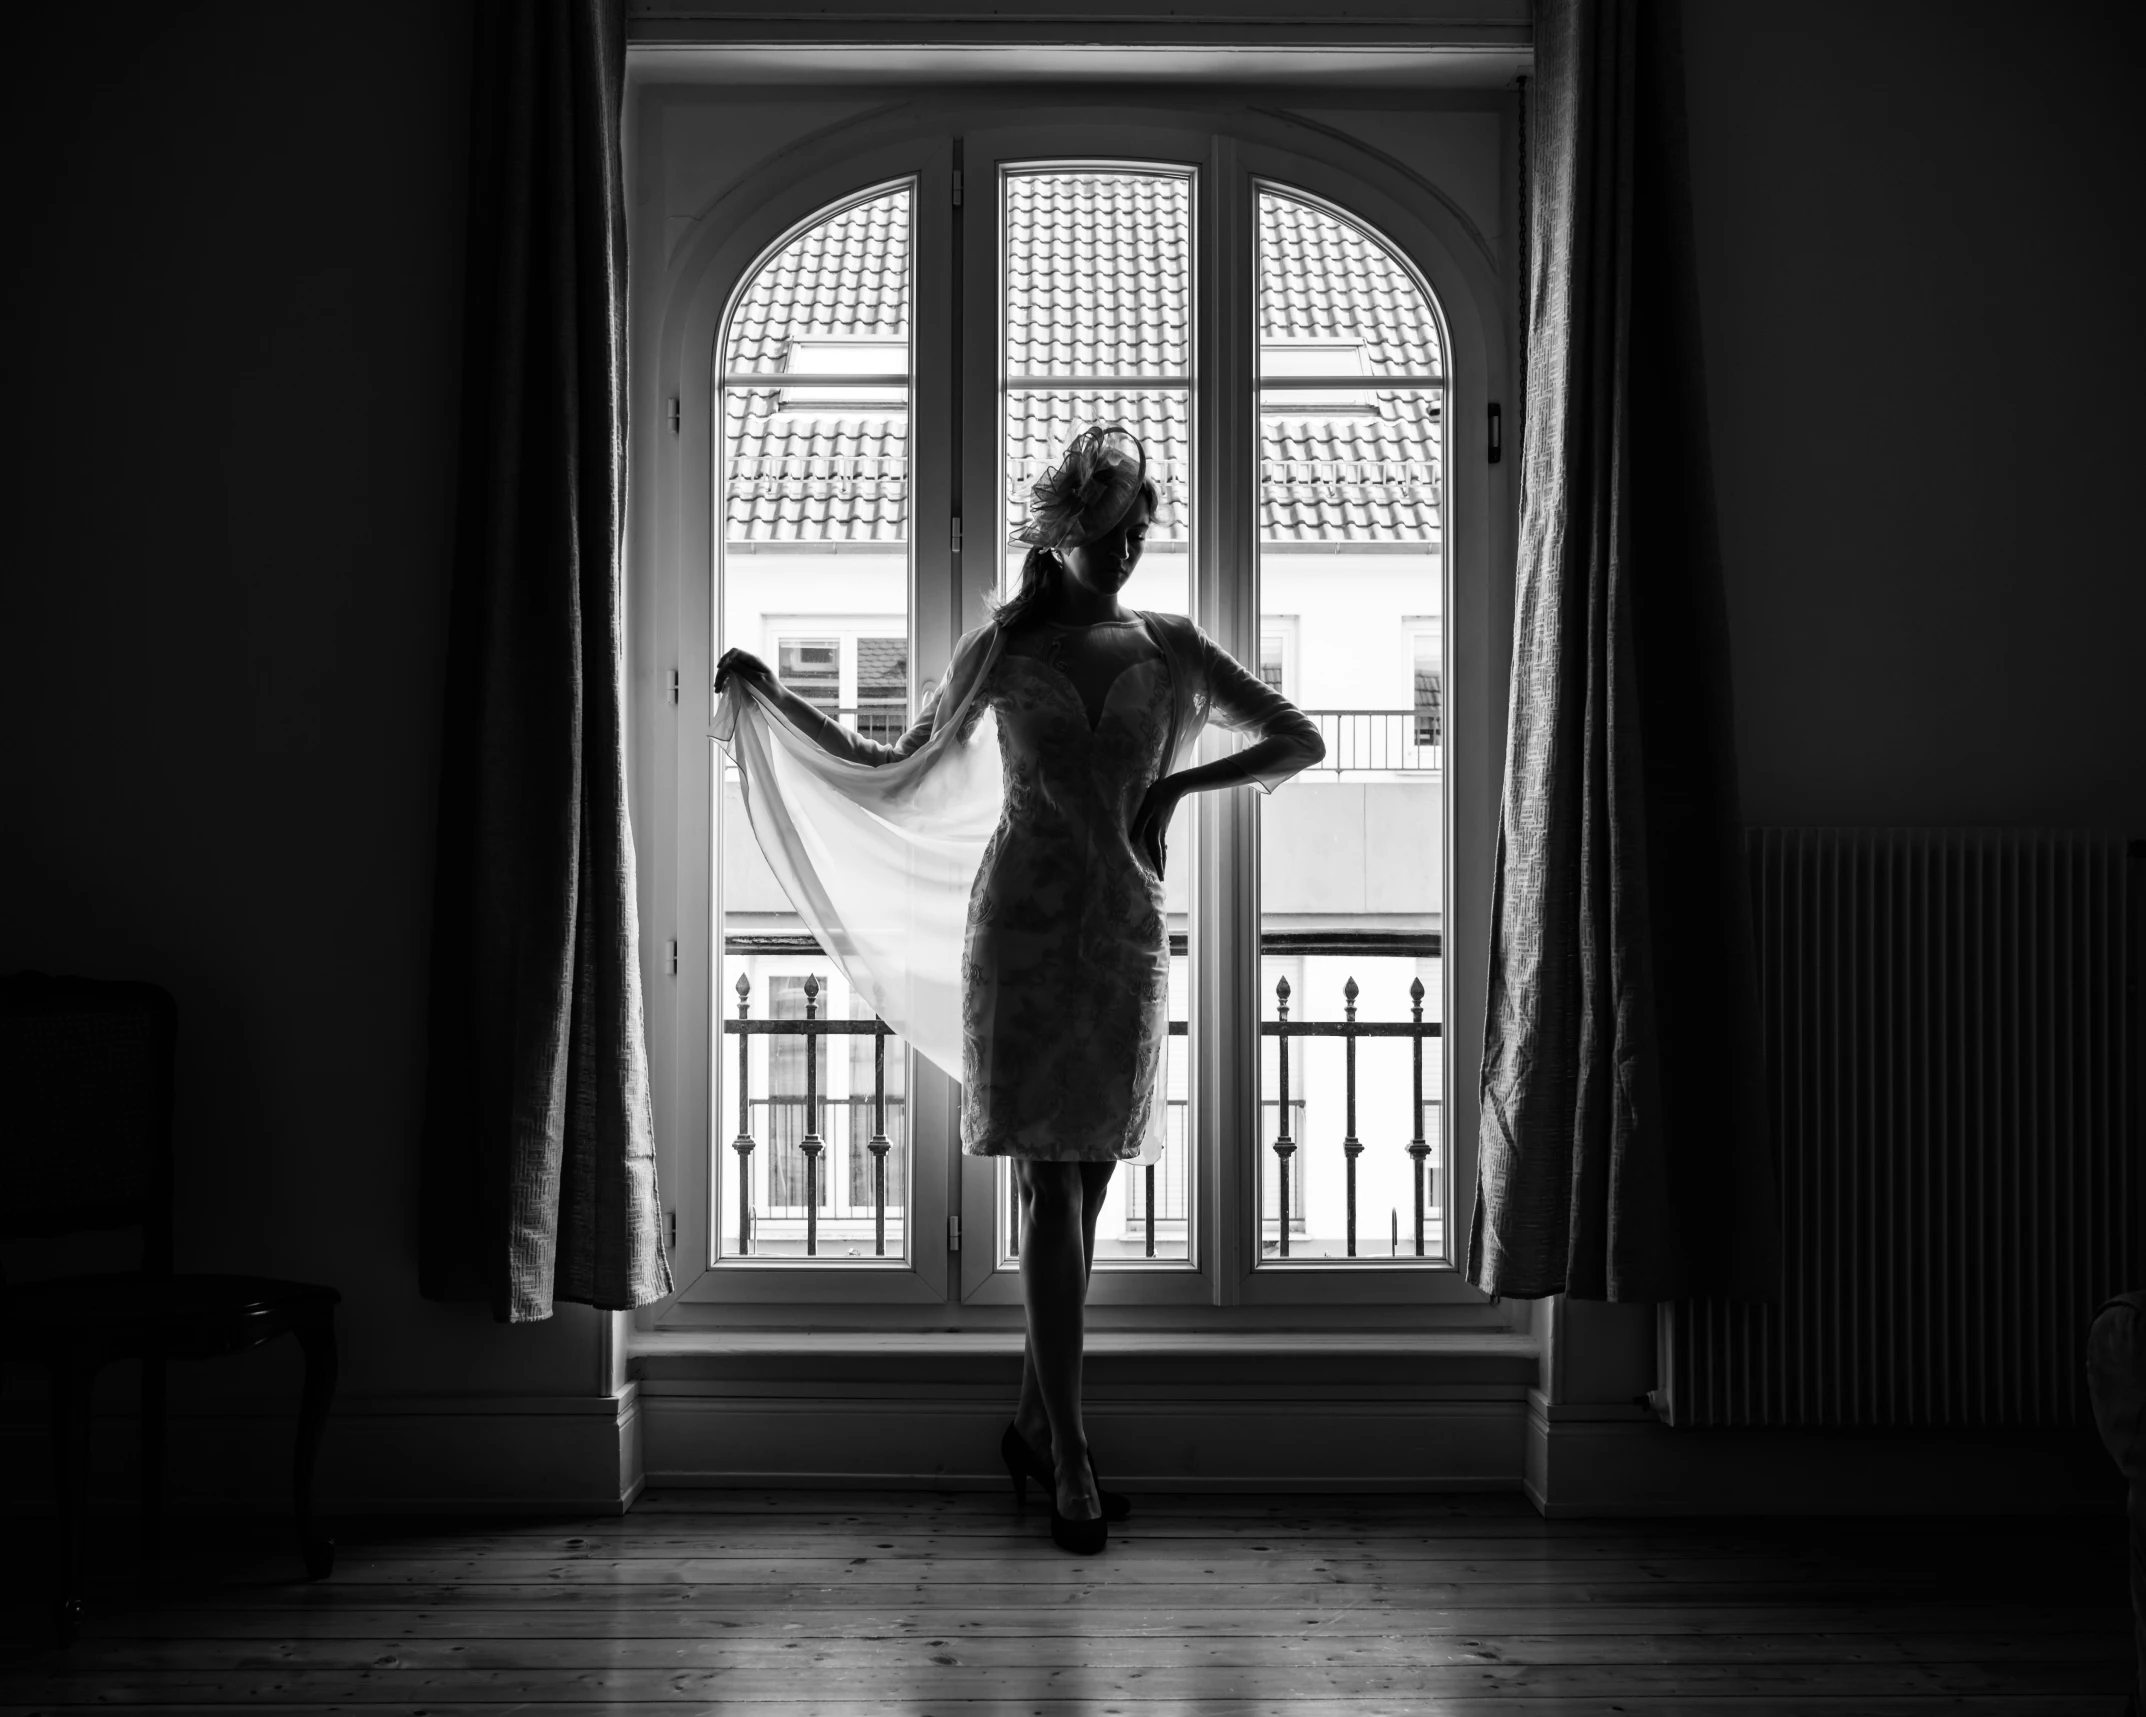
point(955, 535)
point(953, 1234)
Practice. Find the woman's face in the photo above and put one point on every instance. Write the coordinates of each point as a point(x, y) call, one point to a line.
point(1105, 564)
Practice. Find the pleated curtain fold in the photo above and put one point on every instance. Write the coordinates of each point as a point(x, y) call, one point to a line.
point(539, 1175)
point(1625, 1142)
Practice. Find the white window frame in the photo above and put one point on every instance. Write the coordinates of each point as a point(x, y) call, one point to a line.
point(678, 320)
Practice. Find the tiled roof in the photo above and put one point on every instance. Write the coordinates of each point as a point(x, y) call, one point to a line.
point(1321, 277)
point(1351, 479)
point(1096, 284)
point(813, 477)
point(1040, 426)
point(847, 275)
point(1096, 272)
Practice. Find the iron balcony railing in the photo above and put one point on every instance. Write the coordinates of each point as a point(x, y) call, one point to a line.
point(745, 1028)
point(779, 1123)
point(1405, 741)
point(1349, 1029)
point(1391, 741)
point(1286, 1144)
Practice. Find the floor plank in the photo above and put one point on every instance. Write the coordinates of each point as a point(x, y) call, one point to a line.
point(1219, 1607)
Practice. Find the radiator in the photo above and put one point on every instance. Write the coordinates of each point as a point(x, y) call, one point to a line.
point(1952, 1043)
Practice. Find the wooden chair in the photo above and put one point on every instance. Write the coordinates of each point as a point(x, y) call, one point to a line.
point(85, 1143)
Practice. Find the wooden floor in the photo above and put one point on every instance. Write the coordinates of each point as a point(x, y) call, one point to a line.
point(882, 1603)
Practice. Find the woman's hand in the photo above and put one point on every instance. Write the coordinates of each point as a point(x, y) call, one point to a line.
point(746, 666)
point(1152, 821)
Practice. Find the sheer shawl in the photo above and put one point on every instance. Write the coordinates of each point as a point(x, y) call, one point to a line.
point(878, 846)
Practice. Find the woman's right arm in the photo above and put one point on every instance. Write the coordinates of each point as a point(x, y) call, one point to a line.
point(822, 729)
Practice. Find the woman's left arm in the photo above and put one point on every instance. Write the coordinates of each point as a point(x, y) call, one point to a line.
point(1288, 742)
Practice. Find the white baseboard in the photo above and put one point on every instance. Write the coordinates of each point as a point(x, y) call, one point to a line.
point(1601, 1461)
point(381, 1454)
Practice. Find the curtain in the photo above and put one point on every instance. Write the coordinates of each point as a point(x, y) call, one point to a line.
point(539, 1176)
point(1625, 1146)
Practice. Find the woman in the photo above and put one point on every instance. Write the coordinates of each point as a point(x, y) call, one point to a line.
point(1065, 955)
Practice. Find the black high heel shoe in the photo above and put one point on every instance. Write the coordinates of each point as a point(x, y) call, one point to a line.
point(1116, 1504)
point(1082, 1537)
point(1023, 1464)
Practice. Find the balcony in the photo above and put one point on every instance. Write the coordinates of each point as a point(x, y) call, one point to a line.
point(804, 1167)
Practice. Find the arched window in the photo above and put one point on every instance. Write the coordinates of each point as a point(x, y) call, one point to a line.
point(891, 375)
point(1351, 397)
point(813, 570)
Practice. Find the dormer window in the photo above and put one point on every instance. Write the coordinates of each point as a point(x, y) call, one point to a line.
point(1316, 357)
point(862, 372)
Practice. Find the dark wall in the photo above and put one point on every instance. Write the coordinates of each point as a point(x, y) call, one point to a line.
point(232, 371)
point(1923, 272)
point(230, 388)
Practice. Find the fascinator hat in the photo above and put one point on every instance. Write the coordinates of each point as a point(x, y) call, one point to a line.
point(1090, 492)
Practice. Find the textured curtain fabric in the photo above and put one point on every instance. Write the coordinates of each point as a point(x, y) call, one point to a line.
point(539, 1179)
point(1625, 1145)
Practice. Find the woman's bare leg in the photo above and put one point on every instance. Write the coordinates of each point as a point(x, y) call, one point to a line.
point(1054, 1282)
point(1029, 1418)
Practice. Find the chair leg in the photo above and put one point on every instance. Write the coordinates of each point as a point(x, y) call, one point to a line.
point(153, 1462)
point(72, 1383)
point(317, 1336)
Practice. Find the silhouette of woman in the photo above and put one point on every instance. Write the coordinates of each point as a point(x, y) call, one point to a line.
point(1063, 987)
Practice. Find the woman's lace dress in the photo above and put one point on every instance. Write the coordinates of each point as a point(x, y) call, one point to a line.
point(1066, 974)
point(976, 881)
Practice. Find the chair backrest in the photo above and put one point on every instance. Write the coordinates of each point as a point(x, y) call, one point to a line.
point(85, 1108)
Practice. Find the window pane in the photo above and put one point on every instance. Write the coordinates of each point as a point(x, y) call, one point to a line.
point(812, 668)
point(1098, 283)
point(834, 300)
point(1098, 272)
point(784, 1106)
point(1352, 853)
point(1124, 1233)
point(814, 580)
point(1430, 687)
point(1039, 429)
point(860, 1120)
point(839, 1110)
point(882, 688)
point(809, 466)
point(1334, 301)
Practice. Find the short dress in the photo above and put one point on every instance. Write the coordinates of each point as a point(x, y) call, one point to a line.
point(1066, 968)
point(1062, 987)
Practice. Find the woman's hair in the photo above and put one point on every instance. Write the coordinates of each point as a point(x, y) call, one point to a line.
point(1040, 570)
